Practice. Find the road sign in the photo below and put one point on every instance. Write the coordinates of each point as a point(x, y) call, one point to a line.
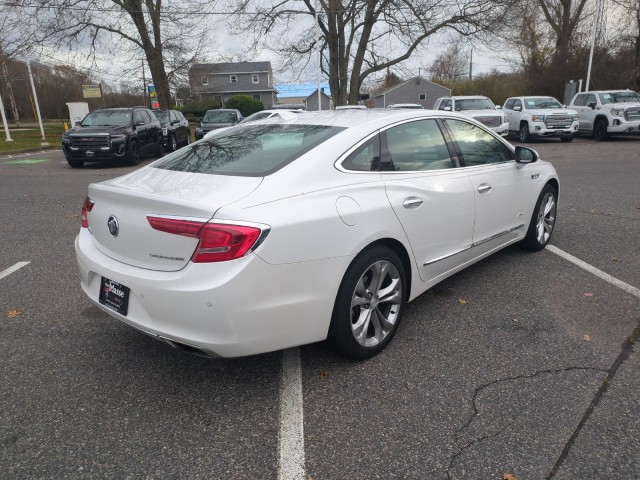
point(91, 91)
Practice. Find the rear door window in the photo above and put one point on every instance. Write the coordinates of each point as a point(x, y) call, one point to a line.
point(415, 146)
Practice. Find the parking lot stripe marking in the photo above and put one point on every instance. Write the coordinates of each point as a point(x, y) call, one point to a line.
point(598, 273)
point(10, 270)
point(292, 463)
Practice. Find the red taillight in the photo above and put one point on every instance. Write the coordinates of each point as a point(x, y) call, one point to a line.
point(87, 205)
point(218, 242)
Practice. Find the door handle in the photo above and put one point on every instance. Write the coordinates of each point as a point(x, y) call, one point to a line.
point(412, 202)
point(484, 188)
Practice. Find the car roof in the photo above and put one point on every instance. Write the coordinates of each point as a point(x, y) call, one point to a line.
point(465, 97)
point(353, 118)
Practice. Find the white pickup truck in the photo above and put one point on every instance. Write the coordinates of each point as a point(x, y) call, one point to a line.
point(540, 117)
point(606, 112)
point(479, 108)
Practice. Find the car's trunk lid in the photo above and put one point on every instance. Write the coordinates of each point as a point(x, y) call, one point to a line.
point(118, 220)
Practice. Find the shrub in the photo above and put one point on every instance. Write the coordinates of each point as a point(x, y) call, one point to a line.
point(246, 104)
point(198, 109)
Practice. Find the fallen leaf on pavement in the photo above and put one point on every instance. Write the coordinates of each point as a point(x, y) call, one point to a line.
point(587, 294)
point(586, 338)
point(462, 301)
point(615, 259)
point(508, 476)
point(13, 313)
point(73, 215)
point(324, 373)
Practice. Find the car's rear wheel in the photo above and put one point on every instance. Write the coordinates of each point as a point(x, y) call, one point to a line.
point(524, 134)
point(543, 220)
point(75, 163)
point(369, 304)
point(133, 156)
point(600, 130)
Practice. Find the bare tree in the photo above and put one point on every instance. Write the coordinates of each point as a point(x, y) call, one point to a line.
point(564, 17)
point(167, 37)
point(360, 37)
point(450, 64)
point(630, 20)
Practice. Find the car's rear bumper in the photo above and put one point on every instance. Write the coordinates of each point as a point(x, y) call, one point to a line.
point(227, 309)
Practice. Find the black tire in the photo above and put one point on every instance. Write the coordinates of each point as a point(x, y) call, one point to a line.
point(133, 155)
point(361, 311)
point(159, 148)
point(75, 163)
point(567, 139)
point(600, 130)
point(524, 134)
point(543, 220)
point(173, 144)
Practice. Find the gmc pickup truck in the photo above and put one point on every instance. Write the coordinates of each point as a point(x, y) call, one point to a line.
point(540, 117)
point(606, 112)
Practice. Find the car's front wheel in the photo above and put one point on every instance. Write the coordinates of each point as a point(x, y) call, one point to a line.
point(369, 304)
point(524, 134)
point(133, 155)
point(543, 220)
point(75, 163)
point(600, 130)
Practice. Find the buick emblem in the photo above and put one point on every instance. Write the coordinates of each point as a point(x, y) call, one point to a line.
point(113, 226)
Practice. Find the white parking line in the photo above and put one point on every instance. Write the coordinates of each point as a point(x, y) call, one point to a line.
point(292, 463)
point(598, 273)
point(10, 270)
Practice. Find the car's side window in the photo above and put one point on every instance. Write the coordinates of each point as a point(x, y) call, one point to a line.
point(591, 99)
point(416, 146)
point(509, 104)
point(444, 104)
point(366, 157)
point(580, 100)
point(517, 103)
point(137, 117)
point(174, 117)
point(477, 146)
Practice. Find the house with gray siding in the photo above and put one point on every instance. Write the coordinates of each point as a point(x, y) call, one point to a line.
point(221, 81)
point(415, 90)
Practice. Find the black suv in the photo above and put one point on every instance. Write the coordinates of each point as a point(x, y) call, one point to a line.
point(110, 134)
point(175, 129)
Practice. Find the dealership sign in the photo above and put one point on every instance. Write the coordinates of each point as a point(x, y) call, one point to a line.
point(91, 91)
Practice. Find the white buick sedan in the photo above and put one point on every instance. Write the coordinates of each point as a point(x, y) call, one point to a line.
point(271, 235)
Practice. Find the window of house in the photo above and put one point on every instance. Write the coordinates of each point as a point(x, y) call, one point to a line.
point(205, 80)
point(423, 96)
point(256, 96)
point(233, 78)
point(255, 78)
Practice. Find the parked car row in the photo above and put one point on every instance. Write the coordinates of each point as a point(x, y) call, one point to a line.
point(597, 113)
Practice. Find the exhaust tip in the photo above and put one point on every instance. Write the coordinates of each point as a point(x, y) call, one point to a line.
point(190, 349)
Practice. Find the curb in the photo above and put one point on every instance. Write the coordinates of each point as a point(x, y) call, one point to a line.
point(30, 150)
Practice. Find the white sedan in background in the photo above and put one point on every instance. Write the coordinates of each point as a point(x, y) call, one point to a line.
point(271, 235)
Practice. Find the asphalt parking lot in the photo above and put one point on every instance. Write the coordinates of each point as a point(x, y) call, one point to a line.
point(522, 366)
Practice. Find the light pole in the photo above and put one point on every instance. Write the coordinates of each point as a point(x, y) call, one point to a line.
point(4, 122)
point(44, 142)
point(593, 41)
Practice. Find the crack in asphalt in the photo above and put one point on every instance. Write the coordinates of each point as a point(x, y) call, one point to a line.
point(627, 348)
point(463, 448)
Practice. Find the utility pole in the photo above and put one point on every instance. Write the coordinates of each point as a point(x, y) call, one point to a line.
point(44, 142)
point(471, 65)
point(593, 41)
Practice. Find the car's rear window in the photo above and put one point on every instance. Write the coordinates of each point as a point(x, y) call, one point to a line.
point(251, 150)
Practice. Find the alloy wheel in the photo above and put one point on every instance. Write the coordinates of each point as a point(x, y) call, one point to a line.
point(546, 218)
point(376, 303)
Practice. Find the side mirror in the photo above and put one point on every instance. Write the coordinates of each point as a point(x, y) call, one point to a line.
point(592, 105)
point(498, 107)
point(76, 123)
point(447, 109)
point(517, 108)
point(526, 155)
